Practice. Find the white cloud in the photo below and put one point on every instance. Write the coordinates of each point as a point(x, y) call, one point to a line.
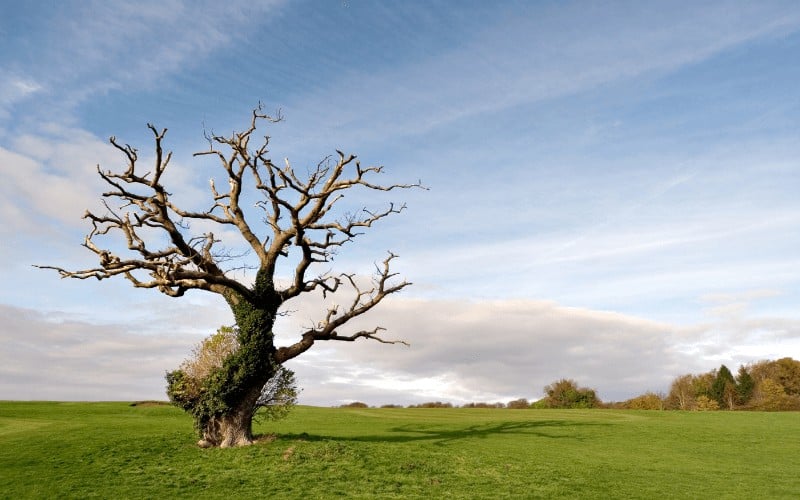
point(489, 350)
point(50, 176)
point(66, 359)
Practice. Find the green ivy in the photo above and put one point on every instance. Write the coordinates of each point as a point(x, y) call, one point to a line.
point(251, 365)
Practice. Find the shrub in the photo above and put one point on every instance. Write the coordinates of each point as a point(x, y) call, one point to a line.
point(647, 401)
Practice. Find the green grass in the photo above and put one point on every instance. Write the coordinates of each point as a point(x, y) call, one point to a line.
point(113, 450)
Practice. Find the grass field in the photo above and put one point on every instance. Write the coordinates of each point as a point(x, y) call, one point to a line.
point(114, 450)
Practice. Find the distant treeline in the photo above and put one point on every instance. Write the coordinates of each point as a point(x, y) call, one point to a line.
point(765, 386)
point(761, 386)
point(516, 404)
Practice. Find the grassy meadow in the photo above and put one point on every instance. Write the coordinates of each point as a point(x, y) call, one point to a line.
point(114, 450)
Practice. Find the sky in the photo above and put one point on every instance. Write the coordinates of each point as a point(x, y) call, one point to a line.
point(613, 186)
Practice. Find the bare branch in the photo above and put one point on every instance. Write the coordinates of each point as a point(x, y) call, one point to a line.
point(363, 301)
point(144, 203)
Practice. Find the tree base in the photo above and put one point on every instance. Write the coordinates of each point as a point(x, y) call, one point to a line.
point(225, 444)
point(228, 431)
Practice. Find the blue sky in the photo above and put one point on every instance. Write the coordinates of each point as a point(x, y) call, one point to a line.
point(613, 186)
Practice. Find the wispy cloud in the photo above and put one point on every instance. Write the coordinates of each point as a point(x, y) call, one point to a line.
point(101, 46)
point(523, 59)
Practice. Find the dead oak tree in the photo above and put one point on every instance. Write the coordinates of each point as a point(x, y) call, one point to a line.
point(301, 228)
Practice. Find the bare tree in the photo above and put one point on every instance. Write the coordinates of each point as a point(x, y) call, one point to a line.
point(302, 229)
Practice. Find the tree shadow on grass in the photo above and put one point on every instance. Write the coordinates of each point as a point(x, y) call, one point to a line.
point(443, 434)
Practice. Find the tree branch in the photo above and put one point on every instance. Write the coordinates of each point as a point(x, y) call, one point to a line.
point(363, 301)
point(144, 204)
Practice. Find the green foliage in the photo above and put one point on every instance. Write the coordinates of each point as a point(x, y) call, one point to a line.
point(745, 385)
point(723, 388)
point(701, 384)
point(721, 379)
point(113, 450)
point(565, 393)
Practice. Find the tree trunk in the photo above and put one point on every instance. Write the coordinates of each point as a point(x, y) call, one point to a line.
point(253, 367)
point(225, 431)
point(234, 428)
point(224, 401)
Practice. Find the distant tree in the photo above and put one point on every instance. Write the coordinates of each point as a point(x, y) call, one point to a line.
point(565, 393)
point(701, 384)
point(771, 396)
point(305, 225)
point(745, 385)
point(785, 371)
point(355, 404)
point(723, 388)
point(681, 393)
point(518, 404)
point(788, 375)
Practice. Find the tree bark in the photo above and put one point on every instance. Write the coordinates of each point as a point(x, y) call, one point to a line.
point(234, 428)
